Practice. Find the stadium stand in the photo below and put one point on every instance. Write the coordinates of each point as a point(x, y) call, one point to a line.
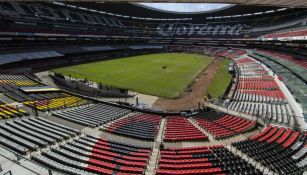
point(280, 149)
point(202, 160)
point(68, 20)
point(28, 134)
point(92, 115)
point(297, 65)
point(222, 125)
point(175, 133)
point(139, 126)
point(97, 155)
point(12, 86)
point(56, 103)
point(267, 46)
point(15, 80)
point(258, 93)
point(287, 34)
point(295, 82)
point(10, 111)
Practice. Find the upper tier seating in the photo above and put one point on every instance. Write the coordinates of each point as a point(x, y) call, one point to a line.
point(180, 129)
point(279, 149)
point(259, 94)
point(197, 30)
point(93, 115)
point(97, 155)
point(224, 52)
point(202, 160)
point(28, 134)
point(139, 126)
point(65, 19)
point(295, 33)
point(222, 125)
point(56, 103)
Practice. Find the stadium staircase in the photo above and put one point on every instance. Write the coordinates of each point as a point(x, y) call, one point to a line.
point(155, 154)
point(193, 122)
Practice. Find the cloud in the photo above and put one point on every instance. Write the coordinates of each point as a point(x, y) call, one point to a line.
point(185, 7)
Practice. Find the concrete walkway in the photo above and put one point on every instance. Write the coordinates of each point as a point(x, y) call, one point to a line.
point(155, 154)
point(195, 124)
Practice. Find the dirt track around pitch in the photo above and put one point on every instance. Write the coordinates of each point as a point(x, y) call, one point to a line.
point(190, 100)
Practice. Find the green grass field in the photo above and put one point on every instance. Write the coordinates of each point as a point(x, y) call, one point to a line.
point(144, 73)
point(220, 81)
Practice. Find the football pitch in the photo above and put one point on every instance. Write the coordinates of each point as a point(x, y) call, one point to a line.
point(220, 81)
point(163, 75)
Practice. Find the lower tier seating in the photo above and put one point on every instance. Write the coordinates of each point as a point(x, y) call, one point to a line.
point(11, 111)
point(202, 160)
point(16, 94)
point(262, 96)
point(291, 78)
point(90, 154)
point(180, 129)
point(28, 133)
point(275, 112)
point(56, 103)
point(16, 80)
point(280, 149)
point(259, 94)
point(222, 125)
point(139, 126)
point(93, 115)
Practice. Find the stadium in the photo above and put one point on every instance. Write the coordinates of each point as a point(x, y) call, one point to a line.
point(168, 87)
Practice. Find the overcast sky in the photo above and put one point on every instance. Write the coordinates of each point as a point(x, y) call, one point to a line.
point(185, 7)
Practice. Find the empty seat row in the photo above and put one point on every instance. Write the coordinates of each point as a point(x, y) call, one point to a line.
point(180, 129)
point(279, 149)
point(11, 111)
point(202, 160)
point(139, 126)
point(93, 115)
point(56, 103)
point(90, 154)
point(275, 112)
point(29, 133)
point(16, 94)
point(17, 80)
point(259, 96)
point(296, 60)
point(222, 125)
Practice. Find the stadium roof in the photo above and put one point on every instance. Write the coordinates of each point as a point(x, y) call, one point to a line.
point(186, 7)
point(137, 10)
point(280, 3)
